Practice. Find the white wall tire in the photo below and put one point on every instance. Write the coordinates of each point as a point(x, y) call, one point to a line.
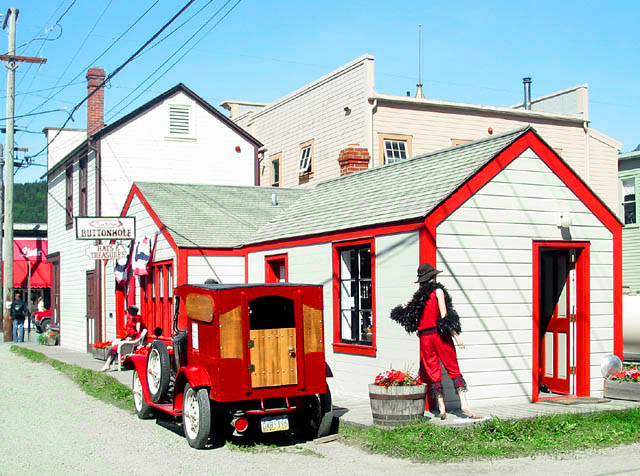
point(158, 371)
point(143, 410)
point(196, 416)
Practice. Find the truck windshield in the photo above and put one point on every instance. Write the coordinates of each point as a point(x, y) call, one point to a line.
point(271, 312)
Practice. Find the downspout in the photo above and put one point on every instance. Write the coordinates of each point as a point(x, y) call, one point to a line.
point(374, 105)
point(585, 126)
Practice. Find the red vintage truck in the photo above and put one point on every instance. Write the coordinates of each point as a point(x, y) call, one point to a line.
point(242, 358)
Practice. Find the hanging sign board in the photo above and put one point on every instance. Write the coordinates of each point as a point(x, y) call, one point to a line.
point(105, 228)
point(111, 251)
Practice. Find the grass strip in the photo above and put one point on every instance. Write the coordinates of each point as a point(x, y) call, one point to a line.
point(497, 438)
point(96, 384)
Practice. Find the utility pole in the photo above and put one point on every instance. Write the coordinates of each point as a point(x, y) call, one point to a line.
point(12, 60)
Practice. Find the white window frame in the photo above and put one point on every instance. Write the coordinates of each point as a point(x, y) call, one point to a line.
point(276, 158)
point(623, 202)
point(304, 166)
point(383, 138)
point(174, 130)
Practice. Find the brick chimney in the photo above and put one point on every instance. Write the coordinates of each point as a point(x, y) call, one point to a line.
point(353, 159)
point(95, 105)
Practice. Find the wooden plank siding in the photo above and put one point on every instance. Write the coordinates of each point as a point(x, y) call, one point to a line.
point(315, 112)
point(485, 251)
point(630, 233)
point(225, 269)
point(433, 128)
point(73, 260)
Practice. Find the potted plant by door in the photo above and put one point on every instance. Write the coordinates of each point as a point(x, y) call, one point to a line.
point(397, 398)
point(624, 385)
point(52, 337)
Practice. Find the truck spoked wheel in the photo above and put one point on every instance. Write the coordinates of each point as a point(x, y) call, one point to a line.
point(158, 371)
point(142, 409)
point(196, 416)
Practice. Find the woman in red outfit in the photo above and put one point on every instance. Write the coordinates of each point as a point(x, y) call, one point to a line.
point(132, 330)
point(431, 315)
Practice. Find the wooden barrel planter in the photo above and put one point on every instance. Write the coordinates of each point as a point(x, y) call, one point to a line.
point(622, 390)
point(395, 406)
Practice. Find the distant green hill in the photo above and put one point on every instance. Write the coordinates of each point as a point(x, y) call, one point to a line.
point(30, 202)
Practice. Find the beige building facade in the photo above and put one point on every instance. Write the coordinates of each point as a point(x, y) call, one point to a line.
point(305, 131)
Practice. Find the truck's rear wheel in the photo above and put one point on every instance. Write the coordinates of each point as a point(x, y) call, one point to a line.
point(321, 414)
point(158, 371)
point(196, 416)
point(143, 410)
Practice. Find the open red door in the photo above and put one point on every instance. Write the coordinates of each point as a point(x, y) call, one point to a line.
point(558, 288)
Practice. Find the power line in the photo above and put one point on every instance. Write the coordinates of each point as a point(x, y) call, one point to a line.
point(95, 60)
point(176, 52)
point(116, 71)
point(178, 27)
point(75, 55)
point(65, 12)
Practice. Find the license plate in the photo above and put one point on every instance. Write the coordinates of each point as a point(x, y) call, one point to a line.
point(279, 423)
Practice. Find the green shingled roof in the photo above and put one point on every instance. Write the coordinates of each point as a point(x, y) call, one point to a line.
point(218, 216)
point(405, 190)
point(214, 216)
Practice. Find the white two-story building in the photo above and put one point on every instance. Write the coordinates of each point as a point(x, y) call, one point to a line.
point(175, 137)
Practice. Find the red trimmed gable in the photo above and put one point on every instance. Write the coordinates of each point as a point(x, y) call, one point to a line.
point(531, 139)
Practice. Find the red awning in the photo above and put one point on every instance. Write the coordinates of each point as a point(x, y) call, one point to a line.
point(40, 274)
point(34, 252)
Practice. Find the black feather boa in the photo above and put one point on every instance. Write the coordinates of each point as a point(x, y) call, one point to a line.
point(409, 316)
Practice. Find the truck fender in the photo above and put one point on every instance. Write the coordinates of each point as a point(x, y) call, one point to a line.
point(138, 363)
point(195, 376)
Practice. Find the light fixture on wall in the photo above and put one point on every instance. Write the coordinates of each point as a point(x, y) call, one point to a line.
point(565, 220)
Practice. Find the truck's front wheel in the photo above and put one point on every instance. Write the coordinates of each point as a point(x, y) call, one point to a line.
point(143, 410)
point(196, 416)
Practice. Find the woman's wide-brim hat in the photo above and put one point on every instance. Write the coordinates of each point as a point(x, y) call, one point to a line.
point(426, 272)
point(133, 310)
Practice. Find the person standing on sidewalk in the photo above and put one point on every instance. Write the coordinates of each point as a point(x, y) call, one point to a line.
point(18, 312)
point(431, 315)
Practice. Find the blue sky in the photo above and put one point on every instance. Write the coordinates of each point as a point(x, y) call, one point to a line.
point(476, 52)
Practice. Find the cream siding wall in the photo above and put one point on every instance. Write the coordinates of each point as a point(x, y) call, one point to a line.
point(433, 129)
point(142, 150)
point(603, 171)
point(226, 269)
point(396, 261)
point(65, 142)
point(315, 112)
point(485, 251)
point(163, 252)
point(73, 260)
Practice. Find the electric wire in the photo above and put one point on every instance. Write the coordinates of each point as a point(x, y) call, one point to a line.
point(179, 49)
point(177, 28)
point(115, 72)
point(96, 59)
point(75, 54)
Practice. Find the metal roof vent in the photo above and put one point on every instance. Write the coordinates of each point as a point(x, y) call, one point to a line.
point(274, 199)
point(527, 93)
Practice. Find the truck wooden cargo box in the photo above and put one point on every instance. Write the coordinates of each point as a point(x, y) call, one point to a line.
point(241, 358)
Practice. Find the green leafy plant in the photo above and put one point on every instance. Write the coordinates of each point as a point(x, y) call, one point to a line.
point(42, 338)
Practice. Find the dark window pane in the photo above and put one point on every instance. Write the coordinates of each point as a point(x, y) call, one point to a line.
point(630, 213)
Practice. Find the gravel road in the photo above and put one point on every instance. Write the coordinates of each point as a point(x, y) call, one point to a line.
point(49, 426)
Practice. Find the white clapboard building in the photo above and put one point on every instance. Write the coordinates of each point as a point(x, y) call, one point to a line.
point(175, 137)
point(529, 253)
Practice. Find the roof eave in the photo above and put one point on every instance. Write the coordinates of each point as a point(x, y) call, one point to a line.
point(475, 107)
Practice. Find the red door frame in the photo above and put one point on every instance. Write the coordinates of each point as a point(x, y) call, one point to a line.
point(583, 310)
